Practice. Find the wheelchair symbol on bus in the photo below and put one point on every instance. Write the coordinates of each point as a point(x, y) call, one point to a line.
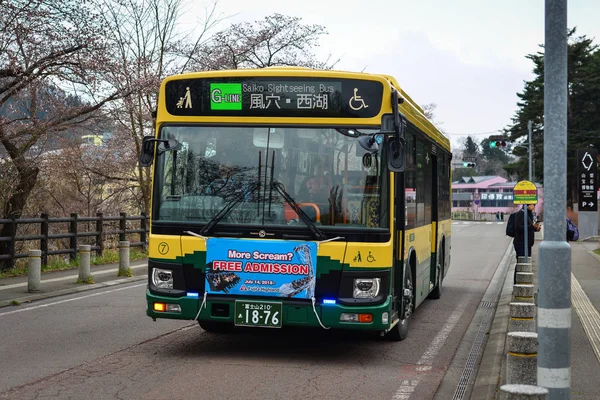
point(370, 258)
point(356, 102)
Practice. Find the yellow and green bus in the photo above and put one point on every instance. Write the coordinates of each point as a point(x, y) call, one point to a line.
point(292, 197)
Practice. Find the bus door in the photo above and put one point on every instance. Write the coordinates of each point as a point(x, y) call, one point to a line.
point(434, 214)
point(399, 227)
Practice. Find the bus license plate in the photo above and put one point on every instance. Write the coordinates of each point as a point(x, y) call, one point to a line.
point(258, 313)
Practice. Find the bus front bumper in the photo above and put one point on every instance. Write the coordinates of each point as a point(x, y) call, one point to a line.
point(294, 313)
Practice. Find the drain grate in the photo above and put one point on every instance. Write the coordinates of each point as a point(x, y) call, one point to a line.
point(461, 389)
point(486, 304)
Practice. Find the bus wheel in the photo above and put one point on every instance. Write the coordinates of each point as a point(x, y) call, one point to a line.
point(436, 293)
point(215, 327)
point(400, 330)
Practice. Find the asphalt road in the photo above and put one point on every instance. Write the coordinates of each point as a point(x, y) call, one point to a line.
point(100, 345)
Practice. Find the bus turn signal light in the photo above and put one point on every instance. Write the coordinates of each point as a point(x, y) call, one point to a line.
point(366, 318)
point(160, 307)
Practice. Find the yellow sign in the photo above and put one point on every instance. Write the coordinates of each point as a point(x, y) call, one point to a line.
point(525, 192)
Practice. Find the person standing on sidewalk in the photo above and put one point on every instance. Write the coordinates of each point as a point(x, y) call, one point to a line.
point(519, 240)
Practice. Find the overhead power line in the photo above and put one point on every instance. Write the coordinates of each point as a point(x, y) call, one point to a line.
point(472, 134)
point(573, 132)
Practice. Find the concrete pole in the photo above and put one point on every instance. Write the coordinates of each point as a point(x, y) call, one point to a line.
point(524, 267)
point(34, 270)
point(524, 278)
point(523, 293)
point(522, 317)
point(124, 258)
point(521, 360)
point(523, 392)
point(554, 300)
point(84, 263)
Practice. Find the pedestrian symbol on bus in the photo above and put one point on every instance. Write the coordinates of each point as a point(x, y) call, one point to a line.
point(187, 98)
point(358, 258)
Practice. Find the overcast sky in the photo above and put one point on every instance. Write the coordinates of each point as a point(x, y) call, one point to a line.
point(467, 56)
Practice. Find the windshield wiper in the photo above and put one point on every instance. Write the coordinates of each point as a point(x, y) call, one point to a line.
point(278, 186)
point(225, 210)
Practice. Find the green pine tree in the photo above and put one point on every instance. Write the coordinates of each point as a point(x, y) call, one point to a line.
point(583, 110)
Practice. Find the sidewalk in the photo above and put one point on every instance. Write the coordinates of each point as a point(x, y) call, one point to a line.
point(585, 328)
point(13, 290)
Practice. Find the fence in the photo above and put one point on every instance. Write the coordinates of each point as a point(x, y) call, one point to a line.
point(473, 216)
point(97, 240)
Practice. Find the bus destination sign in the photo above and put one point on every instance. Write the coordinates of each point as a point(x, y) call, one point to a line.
point(276, 97)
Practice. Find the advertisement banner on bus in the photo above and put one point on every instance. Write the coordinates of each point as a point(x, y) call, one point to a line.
point(261, 268)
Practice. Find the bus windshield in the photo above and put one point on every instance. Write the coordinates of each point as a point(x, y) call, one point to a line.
point(256, 175)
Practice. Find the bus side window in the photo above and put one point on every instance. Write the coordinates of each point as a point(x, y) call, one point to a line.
point(410, 194)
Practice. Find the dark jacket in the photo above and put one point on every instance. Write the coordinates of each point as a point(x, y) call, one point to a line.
point(519, 229)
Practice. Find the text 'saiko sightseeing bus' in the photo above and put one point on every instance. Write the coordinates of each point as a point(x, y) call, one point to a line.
point(295, 197)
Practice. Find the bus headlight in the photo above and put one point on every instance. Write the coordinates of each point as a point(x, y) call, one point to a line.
point(162, 278)
point(366, 288)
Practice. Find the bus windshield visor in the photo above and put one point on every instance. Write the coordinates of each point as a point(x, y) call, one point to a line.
point(261, 175)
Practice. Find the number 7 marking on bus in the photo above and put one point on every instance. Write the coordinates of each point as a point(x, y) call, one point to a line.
point(163, 248)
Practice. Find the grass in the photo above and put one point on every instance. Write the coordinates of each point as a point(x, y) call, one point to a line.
point(127, 273)
point(55, 263)
point(597, 251)
point(112, 256)
point(58, 263)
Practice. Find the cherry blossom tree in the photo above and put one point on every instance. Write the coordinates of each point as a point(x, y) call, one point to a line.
point(51, 52)
point(151, 44)
point(276, 40)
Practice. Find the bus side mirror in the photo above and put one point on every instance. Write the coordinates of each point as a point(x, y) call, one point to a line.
point(395, 147)
point(395, 154)
point(147, 153)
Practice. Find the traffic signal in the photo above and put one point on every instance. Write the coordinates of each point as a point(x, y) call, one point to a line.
point(468, 164)
point(500, 144)
point(497, 142)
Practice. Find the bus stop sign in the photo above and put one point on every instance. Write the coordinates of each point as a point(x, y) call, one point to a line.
point(525, 192)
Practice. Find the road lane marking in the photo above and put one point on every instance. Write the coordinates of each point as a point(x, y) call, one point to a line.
point(588, 315)
point(72, 299)
point(70, 277)
point(425, 363)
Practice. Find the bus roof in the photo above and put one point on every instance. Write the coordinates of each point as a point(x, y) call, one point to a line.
point(179, 98)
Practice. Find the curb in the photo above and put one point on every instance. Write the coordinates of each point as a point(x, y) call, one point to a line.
point(489, 375)
point(77, 289)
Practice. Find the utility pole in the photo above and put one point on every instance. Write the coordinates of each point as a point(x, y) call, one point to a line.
point(530, 128)
point(525, 212)
point(554, 299)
